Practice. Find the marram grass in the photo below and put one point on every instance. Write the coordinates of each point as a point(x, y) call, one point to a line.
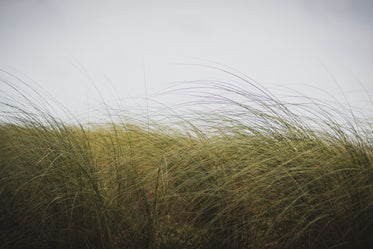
point(257, 176)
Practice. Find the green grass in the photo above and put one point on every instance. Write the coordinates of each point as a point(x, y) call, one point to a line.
point(257, 175)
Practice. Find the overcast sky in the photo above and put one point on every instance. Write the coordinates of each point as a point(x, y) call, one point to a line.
point(65, 45)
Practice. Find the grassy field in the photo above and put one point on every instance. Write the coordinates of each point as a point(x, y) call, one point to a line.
point(257, 175)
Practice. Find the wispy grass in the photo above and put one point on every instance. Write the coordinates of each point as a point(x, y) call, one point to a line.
point(254, 173)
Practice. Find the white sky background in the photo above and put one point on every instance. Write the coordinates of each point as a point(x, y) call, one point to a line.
point(64, 45)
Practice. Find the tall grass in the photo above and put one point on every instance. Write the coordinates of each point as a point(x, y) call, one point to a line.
point(260, 174)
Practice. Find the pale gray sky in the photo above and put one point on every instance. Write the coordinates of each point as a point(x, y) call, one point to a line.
point(64, 45)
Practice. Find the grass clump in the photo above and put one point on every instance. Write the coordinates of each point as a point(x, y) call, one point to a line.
point(258, 175)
